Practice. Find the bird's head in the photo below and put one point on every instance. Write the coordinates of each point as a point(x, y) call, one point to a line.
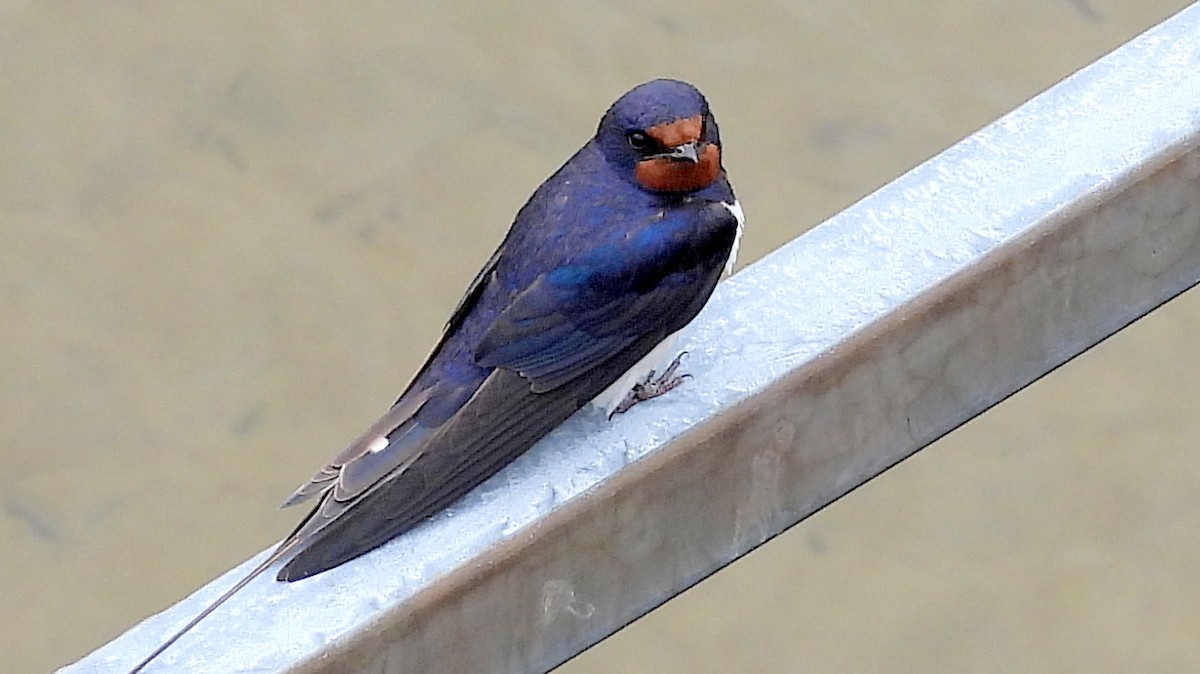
point(662, 136)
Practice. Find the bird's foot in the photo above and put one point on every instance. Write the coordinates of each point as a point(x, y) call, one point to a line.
point(653, 387)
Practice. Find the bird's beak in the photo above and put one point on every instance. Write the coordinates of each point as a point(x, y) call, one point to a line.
point(683, 152)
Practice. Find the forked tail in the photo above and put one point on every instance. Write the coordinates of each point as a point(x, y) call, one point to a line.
point(279, 554)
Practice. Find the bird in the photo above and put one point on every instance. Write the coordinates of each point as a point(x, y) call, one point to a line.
point(580, 304)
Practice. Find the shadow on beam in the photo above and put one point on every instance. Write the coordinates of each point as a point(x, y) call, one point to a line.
point(815, 370)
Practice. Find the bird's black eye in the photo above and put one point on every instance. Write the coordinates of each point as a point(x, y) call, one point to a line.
point(639, 141)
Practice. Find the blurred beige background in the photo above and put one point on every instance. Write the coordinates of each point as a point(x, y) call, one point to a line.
point(228, 234)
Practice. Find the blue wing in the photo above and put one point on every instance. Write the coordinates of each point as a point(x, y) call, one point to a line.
point(562, 340)
point(574, 318)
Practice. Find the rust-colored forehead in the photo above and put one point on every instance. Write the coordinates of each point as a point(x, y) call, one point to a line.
point(671, 134)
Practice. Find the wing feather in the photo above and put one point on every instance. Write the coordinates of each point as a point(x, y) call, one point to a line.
point(598, 334)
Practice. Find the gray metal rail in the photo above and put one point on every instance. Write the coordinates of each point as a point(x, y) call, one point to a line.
point(815, 369)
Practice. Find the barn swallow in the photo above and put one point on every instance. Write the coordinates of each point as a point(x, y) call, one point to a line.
point(606, 262)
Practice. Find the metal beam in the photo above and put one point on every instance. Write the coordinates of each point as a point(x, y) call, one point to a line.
point(815, 369)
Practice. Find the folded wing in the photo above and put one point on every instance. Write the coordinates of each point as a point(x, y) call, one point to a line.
point(559, 343)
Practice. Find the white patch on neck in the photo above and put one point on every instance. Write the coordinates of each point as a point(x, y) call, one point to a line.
point(736, 209)
point(662, 355)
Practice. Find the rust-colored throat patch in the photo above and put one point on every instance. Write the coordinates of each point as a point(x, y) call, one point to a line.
point(666, 174)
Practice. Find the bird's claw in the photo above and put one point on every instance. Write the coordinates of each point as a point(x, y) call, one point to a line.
point(652, 387)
